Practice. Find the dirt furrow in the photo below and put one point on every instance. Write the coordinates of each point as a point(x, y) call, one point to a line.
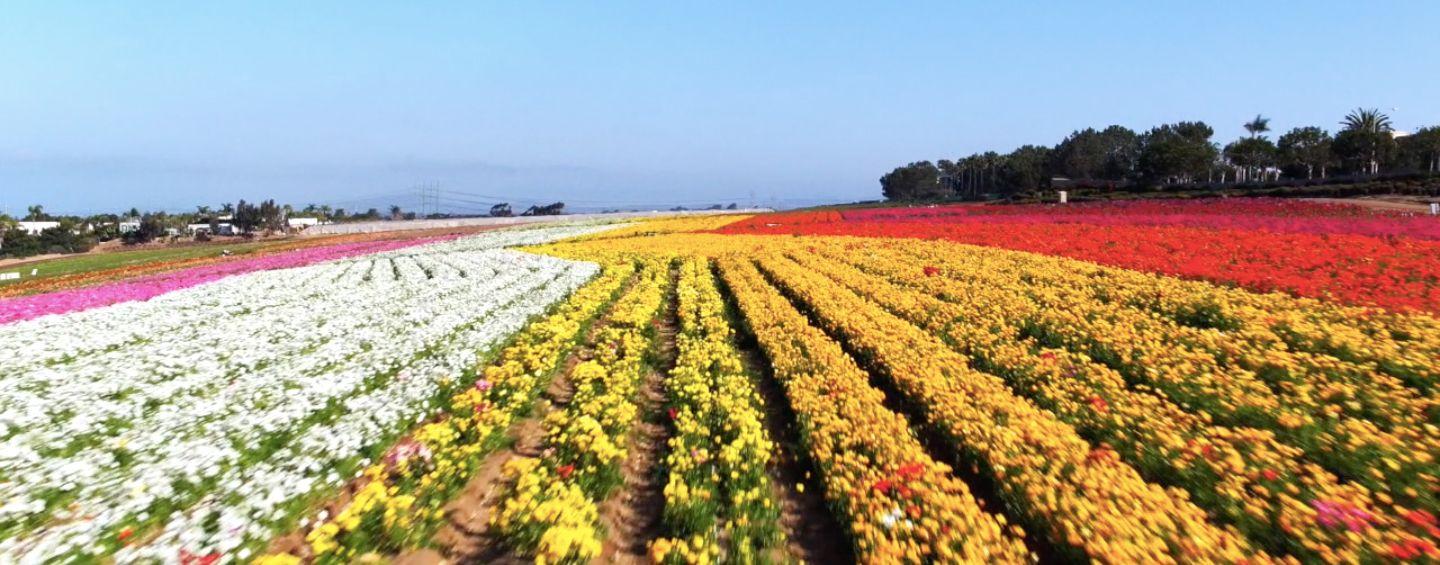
point(465, 538)
point(631, 515)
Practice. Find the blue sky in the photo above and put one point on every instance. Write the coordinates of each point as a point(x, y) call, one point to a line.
point(105, 105)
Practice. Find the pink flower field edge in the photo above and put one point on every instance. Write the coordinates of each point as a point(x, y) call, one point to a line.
point(144, 288)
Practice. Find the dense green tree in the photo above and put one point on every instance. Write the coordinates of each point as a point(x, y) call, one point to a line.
point(271, 216)
point(1081, 155)
point(246, 217)
point(1179, 152)
point(1307, 148)
point(152, 227)
point(1122, 150)
point(1108, 154)
point(1026, 168)
point(1421, 150)
point(1251, 157)
point(918, 180)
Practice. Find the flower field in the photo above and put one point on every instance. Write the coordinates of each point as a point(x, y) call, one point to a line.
point(861, 386)
point(195, 422)
point(1337, 252)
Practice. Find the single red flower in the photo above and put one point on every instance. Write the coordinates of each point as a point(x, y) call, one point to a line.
point(671, 412)
point(1269, 474)
point(187, 558)
point(1420, 518)
point(564, 471)
point(931, 271)
point(1099, 404)
point(910, 471)
point(1411, 548)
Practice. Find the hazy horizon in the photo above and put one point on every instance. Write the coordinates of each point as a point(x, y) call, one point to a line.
point(169, 106)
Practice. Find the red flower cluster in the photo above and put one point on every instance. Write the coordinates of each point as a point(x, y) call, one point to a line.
point(897, 484)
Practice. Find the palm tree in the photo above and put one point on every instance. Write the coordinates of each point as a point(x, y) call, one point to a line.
point(992, 162)
point(1372, 125)
point(1257, 126)
point(1367, 121)
point(394, 212)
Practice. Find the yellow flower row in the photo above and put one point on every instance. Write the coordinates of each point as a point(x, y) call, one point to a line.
point(550, 508)
point(400, 503)
point(1083, 497)
point(1342, 469)
point(667, 225)
point(899, 504)
point(1353, 350)
point(1394, 344)
point(718, 456)
point(1344, 419)
point(1242, 474)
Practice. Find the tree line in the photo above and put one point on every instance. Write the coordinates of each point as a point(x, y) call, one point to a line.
point(1175, 154)
point(78, 234)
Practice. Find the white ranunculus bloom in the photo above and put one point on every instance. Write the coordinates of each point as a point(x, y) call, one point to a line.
point(230, 399)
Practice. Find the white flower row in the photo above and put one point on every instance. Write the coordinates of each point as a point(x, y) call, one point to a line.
point(230, 400)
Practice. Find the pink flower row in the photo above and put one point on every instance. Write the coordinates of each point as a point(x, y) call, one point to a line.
point(145, 288)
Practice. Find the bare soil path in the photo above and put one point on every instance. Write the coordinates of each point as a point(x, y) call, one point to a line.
point(812, 533)
point(465, 538)
point(631, 515)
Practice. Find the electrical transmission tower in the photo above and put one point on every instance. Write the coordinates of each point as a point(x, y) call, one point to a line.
point(429, 194)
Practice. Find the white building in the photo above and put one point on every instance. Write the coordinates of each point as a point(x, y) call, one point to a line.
point(217, 229)
point(302, 223)
point(34, 228)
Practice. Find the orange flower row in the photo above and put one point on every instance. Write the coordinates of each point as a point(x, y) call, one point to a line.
point(1084, 497)
point(899, 504)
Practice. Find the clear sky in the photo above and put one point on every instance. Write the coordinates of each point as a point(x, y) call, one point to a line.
point(107, 105)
